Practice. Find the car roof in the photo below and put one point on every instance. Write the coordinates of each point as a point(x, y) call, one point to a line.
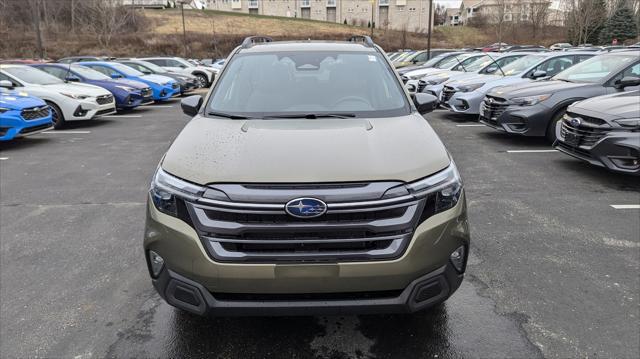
point(295, 46)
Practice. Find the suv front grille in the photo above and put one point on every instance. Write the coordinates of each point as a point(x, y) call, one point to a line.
point(587, 133)
point(447, 93)
point(492, 108)
point(34, 113)
point(353, 231)
point(103, 100)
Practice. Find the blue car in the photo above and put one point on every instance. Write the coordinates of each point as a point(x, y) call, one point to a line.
point(163, 87)
point(127, 93)
point(22, 115)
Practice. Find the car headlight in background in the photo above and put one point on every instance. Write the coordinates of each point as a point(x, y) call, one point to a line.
point(437, 81)
point(446, 184)
point(630, 123)
point(126, 88)
point(530, 100)
point(470, 87)
point(77, 97)
point(166, 190)
point(415, 77)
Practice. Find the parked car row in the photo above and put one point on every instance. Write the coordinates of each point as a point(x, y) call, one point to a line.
point(587, 104)
point(86, 87)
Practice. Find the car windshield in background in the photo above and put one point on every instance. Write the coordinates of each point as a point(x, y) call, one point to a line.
point(477, 63)
point(596, 68)
point(349, 84)
point(126, 69)
point(32, 76)
point(434, 60)
point(153, 67)
point(521, 64)
point(88, 73)
point(185, 62)
point(448, 63)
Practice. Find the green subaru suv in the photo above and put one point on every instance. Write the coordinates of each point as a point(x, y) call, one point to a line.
point(307, 182)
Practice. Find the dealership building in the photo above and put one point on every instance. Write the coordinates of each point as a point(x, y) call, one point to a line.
point(412, 15)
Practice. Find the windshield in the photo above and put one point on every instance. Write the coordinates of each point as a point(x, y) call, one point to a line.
point(185, 62)
point(595, 69)
point(126, 69)
point(435, 60)
point(32, 75)
point(521, 64)
point(357, 84)
point(88, 73)
point(153, 67)
point(452, 61)
point(475, 64)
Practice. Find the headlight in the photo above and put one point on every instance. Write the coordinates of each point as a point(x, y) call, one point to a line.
point(471, 87)
point(126, 88)
point(446, 184)
point(437, 81)
point(631, 123)
point(166, 190)
point(77, 97)
point(529, 100)
point(3, 109)
point(415, 77)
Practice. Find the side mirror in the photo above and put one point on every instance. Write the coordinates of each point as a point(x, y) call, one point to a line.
point(116, 76)
point(491, 69)
point(411, 88)
point(627, 81)
point(424, 102)
point(538, 74)
point(6, 84)
point(147, 72)
point(191, 105)
point(72, 78)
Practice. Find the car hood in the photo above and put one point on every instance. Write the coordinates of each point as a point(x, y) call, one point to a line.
point(75, 88)
point(16, 101)
point(159, 79)
point(120, 82)
point(212, 150)
point(619, 105)
point(534, 88)
point(424, 72)
point(468, 79)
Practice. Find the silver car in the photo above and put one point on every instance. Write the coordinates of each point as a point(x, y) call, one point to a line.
point(465, 96)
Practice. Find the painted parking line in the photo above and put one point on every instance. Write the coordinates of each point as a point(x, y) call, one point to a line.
point(626, 206)
point(531, 151)
point(4, 158)
point(124, 116)
point(161, 106)
point(471, 125)
point(67, 132)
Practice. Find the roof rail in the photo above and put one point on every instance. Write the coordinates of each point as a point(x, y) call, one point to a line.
point(361, 38)
point(249, 41)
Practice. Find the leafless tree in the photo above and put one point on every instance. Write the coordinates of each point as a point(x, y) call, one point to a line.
point(498, 16)
point(538, 14)
point(104, 19)
point(582, 18)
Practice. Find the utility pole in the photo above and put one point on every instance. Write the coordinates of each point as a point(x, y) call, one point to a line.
point(430, 29)
point(184, 29)
point(36, 20)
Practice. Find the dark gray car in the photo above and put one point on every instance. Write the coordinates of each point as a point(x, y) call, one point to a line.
point(604, 131)
point(534, 108)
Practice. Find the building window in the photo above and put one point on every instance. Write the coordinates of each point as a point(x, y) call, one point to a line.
point(236, 4)
point(383, 2)
point(253, 4)
point(331, 3)
point(305, 3)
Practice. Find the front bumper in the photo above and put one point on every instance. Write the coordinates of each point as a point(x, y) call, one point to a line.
point(521, 120)
point(466, 102)
point(618, 151)
point(87, 110)
point(435, 90)
point(12, 125)
point(300, 287)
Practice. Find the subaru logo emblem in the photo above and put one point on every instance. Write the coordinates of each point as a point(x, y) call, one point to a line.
point(491, 100)
point(305, 207)
point(575, 121)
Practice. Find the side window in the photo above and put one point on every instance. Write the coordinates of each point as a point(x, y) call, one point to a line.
point(55, 71)
point(103, 69)
point(159, 62)
point(136, 66)
point(15, 83)
point(631, 71)
point(174, 63)
point(421, 58)
point(554, 66)
point(581, 58)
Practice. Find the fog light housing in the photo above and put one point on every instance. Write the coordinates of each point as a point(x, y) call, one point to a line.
point(156, 263)
point(457, 258)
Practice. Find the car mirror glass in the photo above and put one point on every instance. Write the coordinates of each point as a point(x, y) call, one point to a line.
point(538, 74)
point(72, 79)
point(6, 84)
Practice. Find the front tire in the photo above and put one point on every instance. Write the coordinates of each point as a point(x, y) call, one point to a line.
point(551, 129)
point(202, 79)
point(56, 116)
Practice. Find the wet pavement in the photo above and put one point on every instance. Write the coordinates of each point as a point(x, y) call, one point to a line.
point(553, 272)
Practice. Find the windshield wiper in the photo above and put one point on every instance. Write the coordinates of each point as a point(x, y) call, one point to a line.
point(313, 116)
point(227, 115)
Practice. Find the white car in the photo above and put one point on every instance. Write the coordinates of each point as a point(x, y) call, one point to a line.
point(454, 62)
point(204, 74)
point(68, 101)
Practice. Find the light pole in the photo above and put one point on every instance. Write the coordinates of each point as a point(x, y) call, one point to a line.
point(184, 28)
point(430, 29)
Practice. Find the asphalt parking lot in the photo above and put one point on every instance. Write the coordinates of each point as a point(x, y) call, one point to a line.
point(553, 271)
